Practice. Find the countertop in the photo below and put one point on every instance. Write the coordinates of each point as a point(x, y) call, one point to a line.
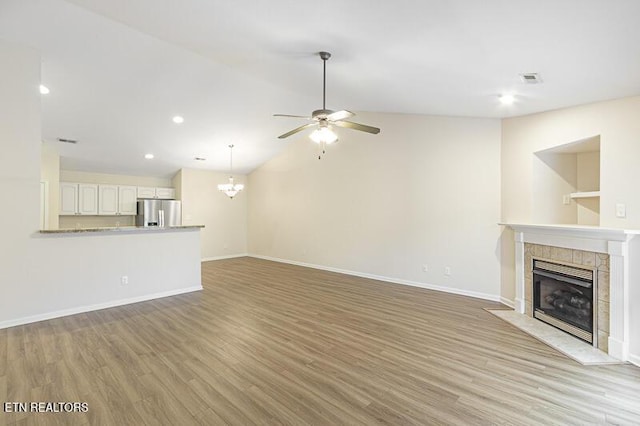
point(124, 229)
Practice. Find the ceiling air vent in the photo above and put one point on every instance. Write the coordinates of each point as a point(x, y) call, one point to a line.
point(531, 78)
point(63, 140)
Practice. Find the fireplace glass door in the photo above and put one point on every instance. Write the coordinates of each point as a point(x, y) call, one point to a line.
point(563, 296)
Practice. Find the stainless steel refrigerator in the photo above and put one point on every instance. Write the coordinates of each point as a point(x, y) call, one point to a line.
point(159, 213)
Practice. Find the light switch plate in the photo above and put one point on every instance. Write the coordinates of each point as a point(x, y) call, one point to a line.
point(566, 199)
point(621, 211)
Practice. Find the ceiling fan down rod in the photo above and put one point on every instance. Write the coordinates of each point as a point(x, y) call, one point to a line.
point(324, 56)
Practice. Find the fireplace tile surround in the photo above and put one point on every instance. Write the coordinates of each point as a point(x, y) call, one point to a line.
point(606, 250)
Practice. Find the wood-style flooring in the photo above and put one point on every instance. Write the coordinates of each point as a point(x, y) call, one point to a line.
point(269, 343)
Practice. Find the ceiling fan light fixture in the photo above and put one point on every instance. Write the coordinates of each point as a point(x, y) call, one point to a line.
point(324, 135)
point(324, 118)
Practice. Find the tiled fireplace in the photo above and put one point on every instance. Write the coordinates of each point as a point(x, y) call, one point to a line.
point(570, 259)
point(599, 253)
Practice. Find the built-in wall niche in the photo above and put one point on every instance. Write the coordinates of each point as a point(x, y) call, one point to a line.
point(566, 183)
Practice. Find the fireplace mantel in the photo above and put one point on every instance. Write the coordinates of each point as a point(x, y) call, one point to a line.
point(579, 231)
point(614, 242)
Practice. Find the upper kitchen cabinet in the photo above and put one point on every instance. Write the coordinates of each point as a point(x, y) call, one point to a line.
point(78, 199)
point(68, 198)
point(158, 193)
point(108, 199)
point(146, 192)
point(117, 200)
point(165, 193)
point(127, 198)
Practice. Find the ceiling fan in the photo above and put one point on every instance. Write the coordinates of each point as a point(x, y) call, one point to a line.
point(323, 119)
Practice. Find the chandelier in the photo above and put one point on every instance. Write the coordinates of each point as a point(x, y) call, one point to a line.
point(231, 189)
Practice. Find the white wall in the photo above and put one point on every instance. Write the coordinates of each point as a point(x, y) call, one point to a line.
point(423, 191)
point(41, 277)
point(50, 173)
point(19, 171)
point(554, 176)
point(588, 170)
point(225, 219)
point(176, 183)
point(619, 128)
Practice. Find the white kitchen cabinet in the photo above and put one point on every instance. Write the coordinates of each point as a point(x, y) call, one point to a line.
point(146, 192)
point(116, 200)
point(68, 199)
point(165, 193)
point(159, 193)
point(78, 199)
point(87, 199)
point(108, 200)
point(127, 199)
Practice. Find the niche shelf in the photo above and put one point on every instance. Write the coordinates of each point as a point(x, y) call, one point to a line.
point(567, 183)
point(585, 194)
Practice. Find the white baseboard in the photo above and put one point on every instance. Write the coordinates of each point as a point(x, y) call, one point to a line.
point(634, 359)
point(510, 303)
point(461, 292)
point(96, 307)
point(230, 256)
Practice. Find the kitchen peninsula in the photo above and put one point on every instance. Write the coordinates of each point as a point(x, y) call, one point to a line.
point(87, 269)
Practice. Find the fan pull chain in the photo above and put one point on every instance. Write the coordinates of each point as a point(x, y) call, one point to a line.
point(322, 148)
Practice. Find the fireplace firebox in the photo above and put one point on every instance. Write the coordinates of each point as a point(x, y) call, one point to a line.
point(563, 296)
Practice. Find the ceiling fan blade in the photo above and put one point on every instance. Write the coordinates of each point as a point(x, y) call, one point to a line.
point(296, 130)
point(293, 116)
point(339, 115)
point(357, 126)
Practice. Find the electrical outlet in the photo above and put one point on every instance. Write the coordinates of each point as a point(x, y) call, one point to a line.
point(447, 270)
point(621, 211)
point(124, 280)
point(425, 268)
point(566, 199)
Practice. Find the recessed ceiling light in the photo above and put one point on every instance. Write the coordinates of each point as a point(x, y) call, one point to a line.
point(44, 89)
point(178, 119)
point(148, 156)
point(507, 99)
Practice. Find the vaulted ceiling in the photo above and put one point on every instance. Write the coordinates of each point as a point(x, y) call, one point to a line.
point(119, 70)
